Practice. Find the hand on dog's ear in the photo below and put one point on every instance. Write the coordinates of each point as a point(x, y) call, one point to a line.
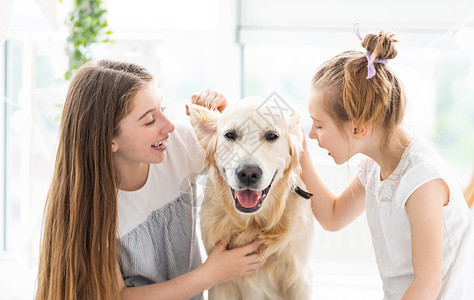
point(210, 99)
point(204, 122)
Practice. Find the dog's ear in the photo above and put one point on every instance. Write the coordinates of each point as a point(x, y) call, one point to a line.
point(295, 133)
point(296, 138)
point(204, 122)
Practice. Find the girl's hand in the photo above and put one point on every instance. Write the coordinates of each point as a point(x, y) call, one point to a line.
point(210, 99)
point(305, 141)
point(305, 157)
point(223, 265)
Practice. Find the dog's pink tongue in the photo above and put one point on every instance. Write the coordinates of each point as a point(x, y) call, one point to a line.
point(248, 198)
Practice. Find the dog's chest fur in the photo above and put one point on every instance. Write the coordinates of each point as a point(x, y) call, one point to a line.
point(273, 226)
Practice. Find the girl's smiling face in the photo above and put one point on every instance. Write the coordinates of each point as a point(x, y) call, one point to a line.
point(329, 135)
point(143, 133)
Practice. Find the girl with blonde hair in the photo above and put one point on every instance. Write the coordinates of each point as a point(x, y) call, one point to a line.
point(119, 223)
point(422, 230)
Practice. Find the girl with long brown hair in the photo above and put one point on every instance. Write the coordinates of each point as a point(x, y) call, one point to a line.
point(119, 216)
point(422, 229)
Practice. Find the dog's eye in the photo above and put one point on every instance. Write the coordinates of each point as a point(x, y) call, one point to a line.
point(271, 136)
point(231, 135)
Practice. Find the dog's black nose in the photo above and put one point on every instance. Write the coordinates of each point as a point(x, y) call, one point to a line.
point(248, 174)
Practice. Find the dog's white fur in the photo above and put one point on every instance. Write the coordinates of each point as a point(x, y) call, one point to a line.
point(284, 222)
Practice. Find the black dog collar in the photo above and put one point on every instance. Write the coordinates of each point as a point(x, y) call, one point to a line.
point(302, 192)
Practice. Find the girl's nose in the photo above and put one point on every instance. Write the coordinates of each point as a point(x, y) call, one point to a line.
point(166, 125)
point(312, 134)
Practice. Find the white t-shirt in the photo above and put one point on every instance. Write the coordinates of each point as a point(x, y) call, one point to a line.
point(390, 228)
point(184, 158)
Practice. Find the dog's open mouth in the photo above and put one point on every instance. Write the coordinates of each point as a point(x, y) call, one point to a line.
point(249, 201)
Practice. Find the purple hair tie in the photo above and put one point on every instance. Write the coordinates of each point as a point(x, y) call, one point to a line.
point(370, 64)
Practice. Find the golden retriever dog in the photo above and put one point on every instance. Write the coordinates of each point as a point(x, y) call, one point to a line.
point(252, 155)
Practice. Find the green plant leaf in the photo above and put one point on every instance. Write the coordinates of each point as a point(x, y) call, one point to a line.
point(88, 25)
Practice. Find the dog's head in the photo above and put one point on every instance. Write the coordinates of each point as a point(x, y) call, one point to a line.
point(252, 145)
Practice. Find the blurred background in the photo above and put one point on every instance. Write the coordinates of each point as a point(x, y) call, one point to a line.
point(240, 48)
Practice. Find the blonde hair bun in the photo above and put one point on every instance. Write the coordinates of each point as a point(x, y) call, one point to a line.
point(380, 46)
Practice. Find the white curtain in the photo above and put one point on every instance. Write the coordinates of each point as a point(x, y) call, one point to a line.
point(5, 14)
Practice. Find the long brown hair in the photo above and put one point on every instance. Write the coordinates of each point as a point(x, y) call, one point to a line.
point(78, 248)
point(378, 101)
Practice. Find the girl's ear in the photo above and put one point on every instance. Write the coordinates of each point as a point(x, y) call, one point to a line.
point(359, 132)
point(204, 122)
point(114, 146)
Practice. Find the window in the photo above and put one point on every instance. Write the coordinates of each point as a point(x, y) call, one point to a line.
point(284, 43)
point(33, 97)
point(2, 146)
